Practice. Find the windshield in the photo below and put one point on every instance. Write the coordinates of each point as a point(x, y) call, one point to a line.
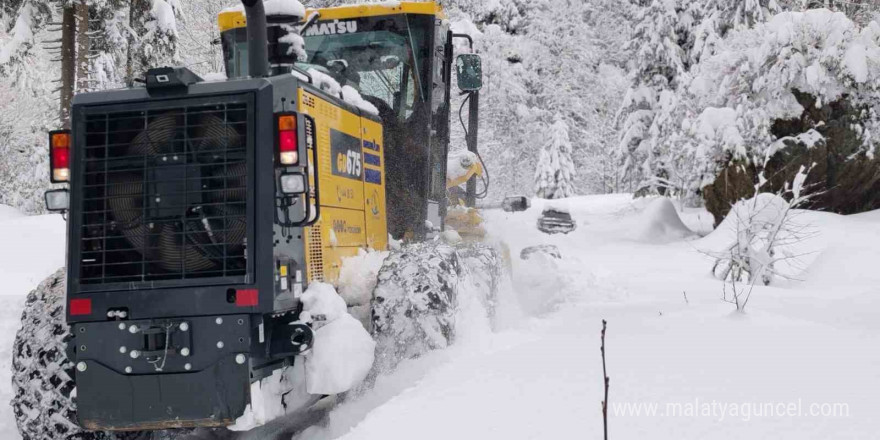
point(383, 58)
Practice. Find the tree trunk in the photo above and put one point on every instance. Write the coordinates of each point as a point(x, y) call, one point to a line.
point(137, 15)
point(68, 64)
point(82, 46)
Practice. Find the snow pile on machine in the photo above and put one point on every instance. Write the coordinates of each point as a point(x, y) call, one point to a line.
point(343, 351)
point(340, 359)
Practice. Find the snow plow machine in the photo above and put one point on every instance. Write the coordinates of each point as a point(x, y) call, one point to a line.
point(209, 223)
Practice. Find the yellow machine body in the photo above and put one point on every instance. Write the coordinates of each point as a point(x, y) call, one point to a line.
point(353, 209)
point(350, 165)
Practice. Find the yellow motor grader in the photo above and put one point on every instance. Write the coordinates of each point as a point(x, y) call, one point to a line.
point(201, 212)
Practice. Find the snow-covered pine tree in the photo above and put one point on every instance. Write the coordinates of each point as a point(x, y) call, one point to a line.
point(659, 63)
point(154, 41)
point(30, 106)
point(721, 16)
point(555, 172)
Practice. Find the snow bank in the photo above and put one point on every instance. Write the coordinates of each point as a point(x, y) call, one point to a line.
point(358, 275)
point(660, 223)
point(798, 243)
point(31, 249)
point(765, 208)
point(7, 212)
point(343, 351)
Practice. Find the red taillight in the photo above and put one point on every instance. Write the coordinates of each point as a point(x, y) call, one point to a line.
point(59, 156)
point(247, 297)
point(287, 141)
point(80, 307)
point(288, 147)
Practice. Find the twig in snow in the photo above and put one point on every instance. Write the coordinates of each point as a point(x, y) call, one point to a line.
point(686, 298)
point(607, 382)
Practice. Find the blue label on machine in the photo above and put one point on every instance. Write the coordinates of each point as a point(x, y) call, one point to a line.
point(372, 159)
point(373, 176)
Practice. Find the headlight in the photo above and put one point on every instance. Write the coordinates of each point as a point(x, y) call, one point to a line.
point(293, 183)
point(57, 200)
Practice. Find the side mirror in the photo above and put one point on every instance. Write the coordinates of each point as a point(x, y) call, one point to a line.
point(469, 68)
point(58, 200)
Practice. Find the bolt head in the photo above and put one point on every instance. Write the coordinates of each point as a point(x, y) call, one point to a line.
point(128, 370)
point(184, 326)
point(123, 350)
point(219, 320)
point(135, 354)
point(240, 359)
point(121, 326)
point(81, 367)
point(187, 367)
point(133, 329)
point(220, 344)
point(184, 351)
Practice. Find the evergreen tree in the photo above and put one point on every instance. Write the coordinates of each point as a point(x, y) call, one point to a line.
point(722, 16)
point(658, 69)
point(555, 172)
point(154, 41)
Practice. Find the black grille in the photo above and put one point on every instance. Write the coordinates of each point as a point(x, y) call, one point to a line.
point(164, 194)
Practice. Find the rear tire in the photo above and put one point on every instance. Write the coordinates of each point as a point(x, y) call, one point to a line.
point(416, 298)
point(44, 403)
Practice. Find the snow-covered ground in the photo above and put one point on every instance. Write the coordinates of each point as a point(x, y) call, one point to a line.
point(31, 248)
point(674, 348)
point(672, 344)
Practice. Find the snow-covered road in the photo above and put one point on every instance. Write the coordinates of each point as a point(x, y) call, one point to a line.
point(674, 348)
point(677, 354)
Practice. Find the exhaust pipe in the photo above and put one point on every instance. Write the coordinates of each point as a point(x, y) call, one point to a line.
point(257, 38)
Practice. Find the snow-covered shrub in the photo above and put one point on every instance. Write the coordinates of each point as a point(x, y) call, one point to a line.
point(764, 232)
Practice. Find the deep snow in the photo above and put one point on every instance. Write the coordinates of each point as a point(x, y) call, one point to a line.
point(671, 340)
point(31, 248)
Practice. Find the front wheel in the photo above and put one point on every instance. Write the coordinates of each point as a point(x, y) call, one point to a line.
point(418, 294)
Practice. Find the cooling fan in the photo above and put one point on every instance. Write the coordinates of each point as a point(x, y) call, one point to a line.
point(184, 207)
